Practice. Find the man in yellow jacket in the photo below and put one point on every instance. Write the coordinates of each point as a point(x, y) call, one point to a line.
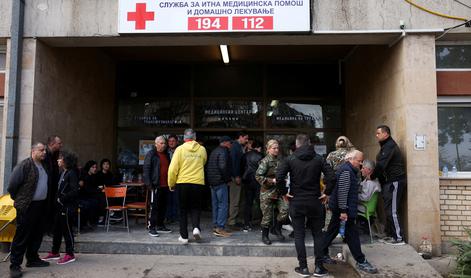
point(186, 174)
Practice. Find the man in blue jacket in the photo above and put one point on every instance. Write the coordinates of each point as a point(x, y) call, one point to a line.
point(344, 203)
point(235, 186)
point(218, 174)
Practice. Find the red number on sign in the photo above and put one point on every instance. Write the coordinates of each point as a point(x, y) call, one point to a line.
point(252, 23)
point(207, 23)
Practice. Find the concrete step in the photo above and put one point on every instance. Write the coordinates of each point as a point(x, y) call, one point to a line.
point(139, 242)
point(393, 261)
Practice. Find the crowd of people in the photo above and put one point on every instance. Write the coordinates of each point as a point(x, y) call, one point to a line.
point(298, 190)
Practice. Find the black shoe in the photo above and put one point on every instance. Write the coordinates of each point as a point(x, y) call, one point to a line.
point(367, 267)
point(328, 260)
point(153, 232)
point(302, 271)
point(15, 271)
point(320, 271)
point(163, 230)
point(277, 232)
point(265, 239)
point(37, 263)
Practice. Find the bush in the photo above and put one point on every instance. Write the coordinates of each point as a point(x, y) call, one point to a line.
point(463, 260)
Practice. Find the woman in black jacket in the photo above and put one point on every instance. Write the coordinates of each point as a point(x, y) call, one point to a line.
point(66, 205)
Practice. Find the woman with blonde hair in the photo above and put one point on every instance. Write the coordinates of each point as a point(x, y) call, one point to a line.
point(269, 196)
point(342, 147)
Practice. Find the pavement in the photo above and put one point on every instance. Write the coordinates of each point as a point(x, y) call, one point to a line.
point(148, 266)
point(394, 261)
point(136, 254)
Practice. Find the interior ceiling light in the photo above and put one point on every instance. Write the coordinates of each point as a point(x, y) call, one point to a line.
point(224, 53)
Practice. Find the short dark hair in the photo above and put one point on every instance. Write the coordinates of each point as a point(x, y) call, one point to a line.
point(70, 159)
point(173, 136)
point(384, 128)
point(242, 133)
point(51, 139)
point(256, 144)
point(103, 161)
point(302, 140)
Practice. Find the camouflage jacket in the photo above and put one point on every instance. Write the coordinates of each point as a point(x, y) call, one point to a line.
point(266, 172)
point(337, 157)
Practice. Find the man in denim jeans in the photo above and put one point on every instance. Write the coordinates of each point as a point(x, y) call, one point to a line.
point(218, 175)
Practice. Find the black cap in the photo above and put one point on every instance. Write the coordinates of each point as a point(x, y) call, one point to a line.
point(224, 139)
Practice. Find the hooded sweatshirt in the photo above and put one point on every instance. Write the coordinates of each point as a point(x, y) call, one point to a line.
point(305, 167)
point(187, 165)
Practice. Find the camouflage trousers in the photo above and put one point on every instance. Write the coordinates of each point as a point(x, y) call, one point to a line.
point(268, 201)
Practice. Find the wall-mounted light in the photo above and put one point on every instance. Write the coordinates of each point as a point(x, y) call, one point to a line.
point(224, 53)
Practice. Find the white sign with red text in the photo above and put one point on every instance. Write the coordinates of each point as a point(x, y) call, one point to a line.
point(181, 16)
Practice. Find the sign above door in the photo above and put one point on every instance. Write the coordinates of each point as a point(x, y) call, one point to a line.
point(207, 16)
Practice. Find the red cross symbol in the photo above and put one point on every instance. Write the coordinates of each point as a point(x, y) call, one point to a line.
point(140, 16)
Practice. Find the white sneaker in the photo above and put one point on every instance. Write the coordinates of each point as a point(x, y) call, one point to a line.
point(289, 228)
point(197, 234)
point(183, 240)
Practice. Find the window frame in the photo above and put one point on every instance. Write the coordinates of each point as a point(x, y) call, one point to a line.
point(454, 101)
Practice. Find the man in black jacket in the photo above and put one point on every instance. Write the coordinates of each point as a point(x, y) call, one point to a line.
point(305, 167)
point(250, 162)
point(155, 174)
point(28, 187)
point(390, 169)
point(218, 174)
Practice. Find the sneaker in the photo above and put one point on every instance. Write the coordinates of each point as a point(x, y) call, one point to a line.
point(15, 271)
point(66, 259)
point(163, 230)
point(51, 256)
point(183, 240)
point(320, 271)
point(393, 241)
point(221, 233)
point(153, 232)
point(302, 271)
point(288, 228)
point(247, 228)
point(197, 234)
point(328, 260)
point(37, 263)
point(367, 267)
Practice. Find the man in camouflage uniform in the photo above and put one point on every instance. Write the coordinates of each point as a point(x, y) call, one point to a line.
point(269, 196)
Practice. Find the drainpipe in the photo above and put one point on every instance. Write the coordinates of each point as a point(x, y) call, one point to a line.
point(14, 89)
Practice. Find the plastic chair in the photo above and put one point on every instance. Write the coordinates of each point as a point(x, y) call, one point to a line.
point(116, 192)
point(370, 211)
point(140, 209)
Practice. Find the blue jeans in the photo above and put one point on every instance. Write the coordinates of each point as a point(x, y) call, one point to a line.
point(220, 203)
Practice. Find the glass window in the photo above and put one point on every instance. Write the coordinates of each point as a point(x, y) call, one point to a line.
point(281, 114)
point(453, 56)
point(2, 61)
point(454, 136)
point(228, 114)
point(159, 113)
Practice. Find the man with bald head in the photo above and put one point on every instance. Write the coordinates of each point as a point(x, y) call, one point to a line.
point(343, 203)
point(155, 177)
point(28, 187)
